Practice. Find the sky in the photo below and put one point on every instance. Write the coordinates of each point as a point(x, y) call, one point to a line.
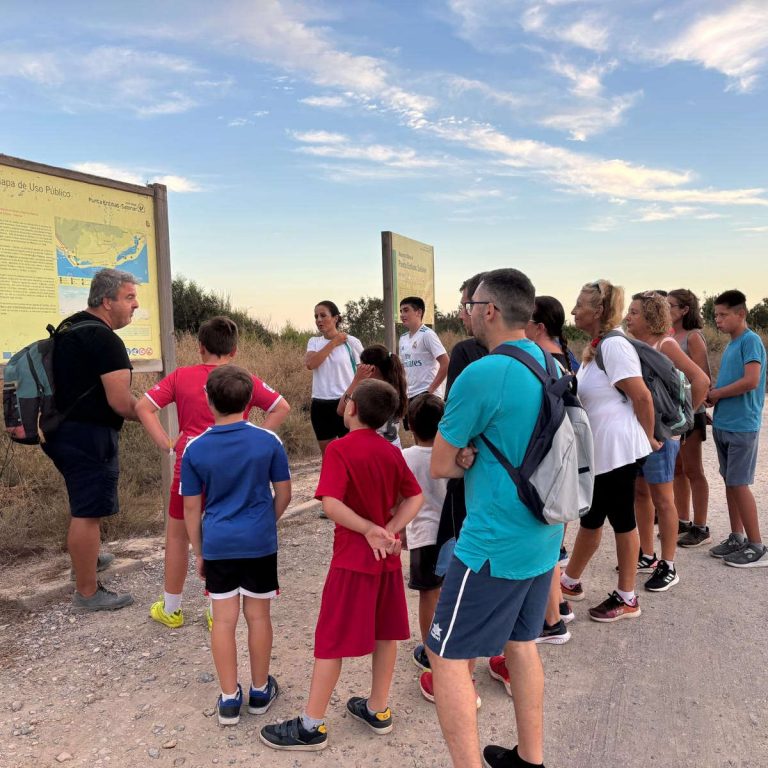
point(571, 139)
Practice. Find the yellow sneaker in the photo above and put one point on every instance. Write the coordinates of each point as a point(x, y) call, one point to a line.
point(172, 620)
point(208, 617)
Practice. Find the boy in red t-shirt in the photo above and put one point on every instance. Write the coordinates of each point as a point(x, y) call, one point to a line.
point(186, 387)
point(369, 492)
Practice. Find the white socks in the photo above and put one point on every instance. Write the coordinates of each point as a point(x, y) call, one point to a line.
point(171, 603)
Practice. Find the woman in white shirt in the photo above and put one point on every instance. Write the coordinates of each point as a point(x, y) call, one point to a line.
point(332, 357)
point(648, 320)
point(620, 410)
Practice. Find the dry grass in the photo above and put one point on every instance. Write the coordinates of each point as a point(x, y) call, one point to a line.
point(33, 506)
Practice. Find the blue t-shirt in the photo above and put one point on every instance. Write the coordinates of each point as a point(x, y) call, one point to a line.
point(498, 396)
point(233, 465)
point(742, 413)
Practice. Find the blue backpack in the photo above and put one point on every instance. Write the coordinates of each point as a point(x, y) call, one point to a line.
point(29, 406)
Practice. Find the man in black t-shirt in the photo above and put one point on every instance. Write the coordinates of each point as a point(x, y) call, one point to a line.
point(92, 377)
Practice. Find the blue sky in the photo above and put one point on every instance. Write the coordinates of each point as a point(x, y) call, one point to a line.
point(573, 139)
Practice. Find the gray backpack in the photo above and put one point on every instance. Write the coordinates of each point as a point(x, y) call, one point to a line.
point(670, 389)
point(557, 476)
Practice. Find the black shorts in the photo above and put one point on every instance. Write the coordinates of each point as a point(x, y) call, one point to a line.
point(699, 425)
point(325, 421)
point(250, 576)
point(613, 498)
point(422, 576)
point(87, 457)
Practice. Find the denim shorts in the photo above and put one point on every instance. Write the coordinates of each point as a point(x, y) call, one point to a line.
point(477, 614)
point(737, 454)
point(659, 467)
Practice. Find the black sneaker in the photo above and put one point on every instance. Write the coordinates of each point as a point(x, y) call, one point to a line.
point(499, 757)
point(695, 537)
point(258, 702)
point(557, 634)
point(751, 556)
point(380, 722)
point(733, 543)
point(663, 578)
point(683, 526)
point(291, 734)
point(566, 612)
point(420, 658)
point(645, 563)
point(228, 710)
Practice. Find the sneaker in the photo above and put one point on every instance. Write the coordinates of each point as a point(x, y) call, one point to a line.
point(291, 734)
point(378, 722)
point(575, 593)
point(500, 757)
point(750, 556)
point(426, 686)
point(683, 526)
point(497, 669)
point(613, 609)
point(103, 561)
point(260, 701)
point(728, 546)
point(695, 537)
point(557, 634)
point(645, 563)
point(208, 617)
point(663, 578)
point(562, 561)
point(420, 658)
point(173, 620)
point(228, 710)
point(101, 600)
point(566, 612)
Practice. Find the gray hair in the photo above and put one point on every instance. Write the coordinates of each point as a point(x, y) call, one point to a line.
point(106, 283)
point(512, 293)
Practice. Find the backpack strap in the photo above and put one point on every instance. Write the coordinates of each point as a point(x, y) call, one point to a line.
point(542, 374)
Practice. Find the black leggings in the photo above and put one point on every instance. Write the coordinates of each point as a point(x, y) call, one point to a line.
point(613, 498)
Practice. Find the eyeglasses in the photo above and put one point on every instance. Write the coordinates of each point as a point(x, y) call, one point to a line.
point(673, 306)
point(469, 304)
point(348, 398)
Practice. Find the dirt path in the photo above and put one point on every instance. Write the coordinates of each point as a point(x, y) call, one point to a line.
point(684, 685)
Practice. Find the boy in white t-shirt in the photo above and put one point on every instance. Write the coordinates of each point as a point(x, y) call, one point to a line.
point(424, 414)
point(424, 357)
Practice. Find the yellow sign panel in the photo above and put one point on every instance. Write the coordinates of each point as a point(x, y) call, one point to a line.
point(55, 234)
point(413, 273)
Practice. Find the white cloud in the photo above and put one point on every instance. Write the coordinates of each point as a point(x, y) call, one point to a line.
point(752, 229)
point(329, 102)
point(734, 42)
point(394, 157)
point(466, 195)
point(320, 137)
point(586, 82)
point(592, 118)
point(461, 85)
point(136, 176)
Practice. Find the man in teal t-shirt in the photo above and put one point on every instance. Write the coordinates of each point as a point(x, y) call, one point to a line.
point(738, 397)
point(495, 591)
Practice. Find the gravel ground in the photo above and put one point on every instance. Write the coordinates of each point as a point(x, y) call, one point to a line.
point(684, 685)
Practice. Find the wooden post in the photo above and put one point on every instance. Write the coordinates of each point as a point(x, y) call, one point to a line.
point(390, 339)
point(168, 417)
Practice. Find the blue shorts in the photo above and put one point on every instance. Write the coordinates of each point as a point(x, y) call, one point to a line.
point(477, 614)
point(737, 454)
point(659, 467)
point(86, 455)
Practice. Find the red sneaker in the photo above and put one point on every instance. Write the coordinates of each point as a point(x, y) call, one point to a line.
point(614, 608)
point(497, 669)
point(574, 593)
point(427, 689)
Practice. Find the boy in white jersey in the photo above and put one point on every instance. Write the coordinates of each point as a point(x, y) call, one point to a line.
point(424, 357)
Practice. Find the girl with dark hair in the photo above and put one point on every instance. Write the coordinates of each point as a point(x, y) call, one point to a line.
point(546, 328)
point(333, 358)
point(376, 362)
point(690, 482)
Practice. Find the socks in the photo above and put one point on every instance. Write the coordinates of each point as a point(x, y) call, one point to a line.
point(567, 581)
point(670, 563)
point(171, 603)
point(229, 696)
point(373, 712)
point(740, 537)
point(310, 723)
point(627, 597)
point(261, 689)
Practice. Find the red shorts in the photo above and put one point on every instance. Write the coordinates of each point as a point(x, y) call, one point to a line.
point(357, 609)
point(176, 502)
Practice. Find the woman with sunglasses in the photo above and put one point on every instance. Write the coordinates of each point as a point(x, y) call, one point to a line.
point(333, 358)
point(620, 410)
point(648, 320)
point(690, 483)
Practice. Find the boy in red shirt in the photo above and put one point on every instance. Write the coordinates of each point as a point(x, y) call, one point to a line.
point(186, 387)
point(369, 492)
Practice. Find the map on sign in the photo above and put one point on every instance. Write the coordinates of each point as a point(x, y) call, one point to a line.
point(83, 248)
